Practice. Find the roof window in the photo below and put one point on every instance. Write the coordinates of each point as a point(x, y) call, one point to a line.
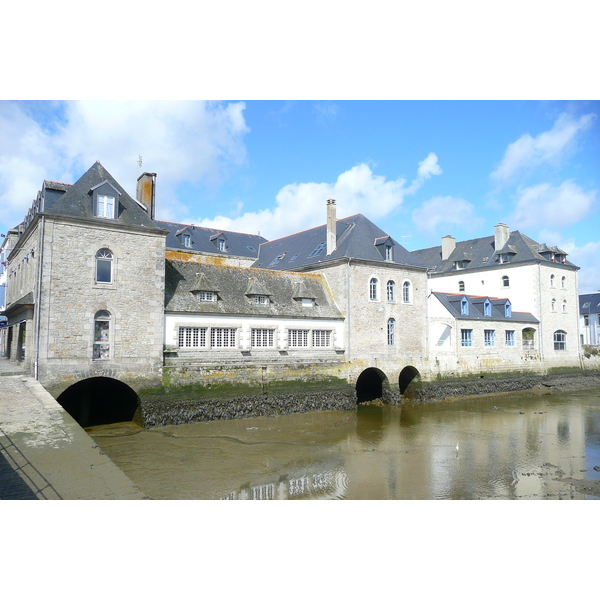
point(318, 249)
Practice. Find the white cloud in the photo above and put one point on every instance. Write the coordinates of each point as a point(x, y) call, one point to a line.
point(303, 205)
point(544, 205)
point(587, 257)
point(550, 146)
point(448, 212)
point(182, 141)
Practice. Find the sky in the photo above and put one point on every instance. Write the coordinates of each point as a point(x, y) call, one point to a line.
point(418, 169)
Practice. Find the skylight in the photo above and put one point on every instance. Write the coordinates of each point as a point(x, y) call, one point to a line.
point(318, 249)
point(294, 257)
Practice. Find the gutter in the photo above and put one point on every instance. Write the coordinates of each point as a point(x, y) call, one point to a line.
point(38, 299)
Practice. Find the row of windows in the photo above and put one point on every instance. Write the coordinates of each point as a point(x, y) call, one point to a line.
point(489, 338)
point(563, 281)
point(225, 337)
point(390, 290)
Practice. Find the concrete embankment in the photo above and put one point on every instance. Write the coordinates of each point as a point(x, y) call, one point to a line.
point(45, 454)
point(445, 390)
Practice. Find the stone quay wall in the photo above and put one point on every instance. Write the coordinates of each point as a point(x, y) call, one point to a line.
point(162, 412)
point(496, 385)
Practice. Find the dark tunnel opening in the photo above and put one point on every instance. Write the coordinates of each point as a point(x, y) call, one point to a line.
point(369, 385)
point(99, 401)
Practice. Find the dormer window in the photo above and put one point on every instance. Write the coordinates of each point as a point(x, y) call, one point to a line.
point(221, 245)
point(464, 307)
point(307, 302)
point(105, 207)
point(389, 253)
point(187, 240)
point(105, 200)
point(205, 296)
point(219, 240)
point(262, 300)
point(461, 264)
point(508, 310)
point(487, 308)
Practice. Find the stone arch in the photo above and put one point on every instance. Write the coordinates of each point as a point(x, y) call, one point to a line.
point(371, 384)
point(408, 381)
point(100, 401)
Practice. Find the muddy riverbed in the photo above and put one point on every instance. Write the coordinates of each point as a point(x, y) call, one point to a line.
point(541, 444)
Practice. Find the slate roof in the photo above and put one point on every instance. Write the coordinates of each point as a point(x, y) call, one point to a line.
point(204, 239)
point(481, 253)
point(452, 302)
point(235, 286)
point(76, 201)
point(589, 303)
point(357, 237)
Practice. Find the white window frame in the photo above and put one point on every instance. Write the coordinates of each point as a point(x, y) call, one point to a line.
point(192, 337)
point(321, 338)
point(298, 338)
point(406, 292)
point(560, 340)
point(223, 337)
point(187, 240)
point(262, 338)
point(505, 281)
point(373, 289)
point(105, 206)
point(390, 290)
point(261, 300)
point(389, 253)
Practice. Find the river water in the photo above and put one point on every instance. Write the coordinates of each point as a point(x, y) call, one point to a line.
point(511, 446)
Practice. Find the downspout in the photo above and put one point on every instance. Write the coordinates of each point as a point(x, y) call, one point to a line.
point(348, 308)
point(38, 299)
point(541, 329)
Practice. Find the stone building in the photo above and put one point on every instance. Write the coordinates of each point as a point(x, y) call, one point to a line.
point(99, 291)
point(86, 285)
point(380, 288)
point(537, 278)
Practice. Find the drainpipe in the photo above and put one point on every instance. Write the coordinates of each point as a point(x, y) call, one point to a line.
point(348, 308)
point(540, 335)
point(38, 299)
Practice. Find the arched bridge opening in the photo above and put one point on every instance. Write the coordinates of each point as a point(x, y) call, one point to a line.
point(408, 381)
point(99, 401)
point(370, 384)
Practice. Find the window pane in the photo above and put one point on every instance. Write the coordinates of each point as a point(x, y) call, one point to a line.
point(103, 270)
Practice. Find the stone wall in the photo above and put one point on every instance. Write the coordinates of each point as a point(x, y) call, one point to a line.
point(162, 412)
point(71, 297)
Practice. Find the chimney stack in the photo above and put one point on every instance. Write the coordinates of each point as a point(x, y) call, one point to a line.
point(501, 234)
point(448, 245)
point(146, 192)
point(331, 226)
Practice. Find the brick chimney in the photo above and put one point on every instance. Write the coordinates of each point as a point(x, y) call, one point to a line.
point(146, 192)
point(448, 245)
point(331, 226)
point(501, 234)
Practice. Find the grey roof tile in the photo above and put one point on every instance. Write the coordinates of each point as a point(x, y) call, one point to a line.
point(589, 303)
point(233, 284)
point(357, 237)
point(452, 302)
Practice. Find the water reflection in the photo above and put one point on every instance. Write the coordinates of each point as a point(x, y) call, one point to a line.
point(521, 446)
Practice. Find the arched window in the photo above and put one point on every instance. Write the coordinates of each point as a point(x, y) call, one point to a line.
point(487, 308)
point(391, 325)
point(104, 266)
point(373, 289)
point(101, 348)
point(461, 286)
point(505, 281)
point(552, 280)
point(560, 340)
point(563, 282)
point(406, 292)
point(553, 304)
point(390, 291)
point(564, 306)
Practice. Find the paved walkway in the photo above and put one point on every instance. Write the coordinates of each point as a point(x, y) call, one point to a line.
point(45, 454)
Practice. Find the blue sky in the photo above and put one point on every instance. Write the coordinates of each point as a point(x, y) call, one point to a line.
point(419, 169)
